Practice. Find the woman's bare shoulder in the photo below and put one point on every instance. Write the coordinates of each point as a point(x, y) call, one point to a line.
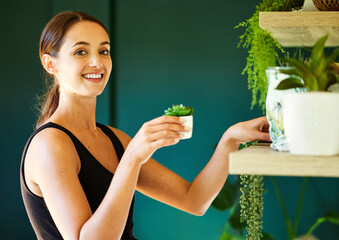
point(51, 149)
point(51, 139)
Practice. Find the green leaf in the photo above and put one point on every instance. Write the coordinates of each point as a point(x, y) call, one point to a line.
point(289, 83)
point(318, 49)
point(183, 112)
point(323, 81)
point(300, 66)
point(283, 208)
point(227, 236)
point(167, 113)
point(332, 217)
point(320, 67)
point(291, 71)
point(234, 220)
point(313, 84)
point(327, 79)
point(332, 57)
point(267, 236)
point(333, 77)
point(226, 197)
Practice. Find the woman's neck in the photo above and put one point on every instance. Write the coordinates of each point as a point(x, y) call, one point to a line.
point(76, 113)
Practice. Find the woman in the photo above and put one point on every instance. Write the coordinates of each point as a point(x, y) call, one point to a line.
point(68, 163)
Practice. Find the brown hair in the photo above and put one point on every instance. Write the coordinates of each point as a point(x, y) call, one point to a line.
point(51, 41)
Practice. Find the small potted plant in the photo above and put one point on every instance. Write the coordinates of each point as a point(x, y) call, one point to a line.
point(184, 113)
point(311, 118)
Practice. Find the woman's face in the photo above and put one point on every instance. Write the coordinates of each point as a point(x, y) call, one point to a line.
point(83, 62)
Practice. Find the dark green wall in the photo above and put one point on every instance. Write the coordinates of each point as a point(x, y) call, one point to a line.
point(172, 52)
point(21, 26)
point(165, 52)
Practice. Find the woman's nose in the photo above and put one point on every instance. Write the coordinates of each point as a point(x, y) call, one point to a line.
point(95, 62)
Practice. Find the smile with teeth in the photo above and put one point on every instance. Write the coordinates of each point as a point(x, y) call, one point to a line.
point(93, 76)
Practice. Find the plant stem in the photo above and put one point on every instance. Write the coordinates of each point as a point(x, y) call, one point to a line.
point(315, 225)
point(283, 208)
point(300, 204)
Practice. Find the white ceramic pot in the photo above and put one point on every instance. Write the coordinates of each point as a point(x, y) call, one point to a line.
point(311, 121)
point(188, 123)
point(274, 108)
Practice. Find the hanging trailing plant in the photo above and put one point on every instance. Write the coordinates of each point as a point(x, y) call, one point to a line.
point(252, 205)
point(244, 199)
point(263, 48)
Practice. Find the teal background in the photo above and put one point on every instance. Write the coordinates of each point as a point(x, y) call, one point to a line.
point(164, 52)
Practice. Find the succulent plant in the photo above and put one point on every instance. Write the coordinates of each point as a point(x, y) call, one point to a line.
point(179, 110)
point(315, 74)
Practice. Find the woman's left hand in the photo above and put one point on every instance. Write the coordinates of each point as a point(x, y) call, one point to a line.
point(255, 129)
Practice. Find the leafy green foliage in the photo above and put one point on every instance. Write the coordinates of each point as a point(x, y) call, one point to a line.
point(234, 220)
point(263, 48)
point(179, 110)
point(314, 74)
point(227, 197)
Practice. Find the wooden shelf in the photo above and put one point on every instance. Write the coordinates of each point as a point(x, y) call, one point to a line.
point(262, 160)
point(302, 28)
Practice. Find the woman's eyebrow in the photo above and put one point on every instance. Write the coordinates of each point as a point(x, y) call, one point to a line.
point(104, 43)
point(86, 43)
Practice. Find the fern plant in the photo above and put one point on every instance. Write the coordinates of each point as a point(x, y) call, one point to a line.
point(263, 48)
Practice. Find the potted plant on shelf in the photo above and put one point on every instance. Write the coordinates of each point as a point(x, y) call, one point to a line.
point(274, 103)
point(185, 113)
point(311, 117)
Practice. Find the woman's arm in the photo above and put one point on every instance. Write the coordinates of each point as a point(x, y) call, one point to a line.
point(211, 179)
point(54, 165)
point(162, 184)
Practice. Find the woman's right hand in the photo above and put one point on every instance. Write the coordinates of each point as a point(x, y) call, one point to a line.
point(157, 133)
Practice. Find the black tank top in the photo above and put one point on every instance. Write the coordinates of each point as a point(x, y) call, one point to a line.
point(94, 178)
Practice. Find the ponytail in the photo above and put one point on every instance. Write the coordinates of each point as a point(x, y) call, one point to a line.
point(48, 104)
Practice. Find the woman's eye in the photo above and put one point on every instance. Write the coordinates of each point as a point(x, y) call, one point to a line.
point(80, 52)
point(104, 52)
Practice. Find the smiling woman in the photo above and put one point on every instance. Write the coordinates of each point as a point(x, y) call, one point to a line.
point(69, 161)
point(76, 61)
point(51, 41)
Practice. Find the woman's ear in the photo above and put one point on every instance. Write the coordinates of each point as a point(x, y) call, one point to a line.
point(49, 64)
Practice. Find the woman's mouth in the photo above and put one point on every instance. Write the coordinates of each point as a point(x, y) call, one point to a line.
point(93, 77)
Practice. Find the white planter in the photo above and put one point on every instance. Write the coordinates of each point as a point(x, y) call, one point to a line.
point(274, 108)
point(188, 123)
point(311, 122)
